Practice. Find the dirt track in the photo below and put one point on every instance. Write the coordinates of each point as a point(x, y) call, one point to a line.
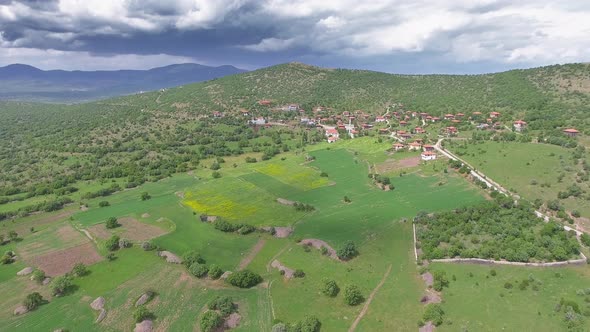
point(369, 299)
point(250, 256)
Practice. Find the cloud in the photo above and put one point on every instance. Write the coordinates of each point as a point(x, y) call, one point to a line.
point(505, 32)
point(270, 45)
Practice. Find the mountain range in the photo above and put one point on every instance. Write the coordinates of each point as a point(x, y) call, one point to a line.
point(24, 82)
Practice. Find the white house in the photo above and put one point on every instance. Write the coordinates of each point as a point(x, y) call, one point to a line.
point(519, 125)
point(428, 155)
point(258, 121)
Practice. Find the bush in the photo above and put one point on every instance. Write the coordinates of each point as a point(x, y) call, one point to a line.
point(440, 280)
point(145, 196)
point(508, 285)
point(576, 213)
point(38, 276)
point(244, 279)
point(112, 244)
point(12, 235)
point(112, 223)
point(324, 174)
point(192, 257)
point(198, 270)
point(79, 270)
point(308, 324)
point(299, 273)
point(330, 288)
point(7, 258)
point(104, 204)
point(210, 321)
point(348, 251)
point(215, 271)
point(61, 285)
point(216, 175)
point(246, 229)
point(585, 238)
point(147, 246)
point(33, 301)
point(493, 273)
point(141, 314)
point(352, 295)
point(225, 226)
point(279, 327)
point(347, 199)
point(223, 304)
point(434, 313)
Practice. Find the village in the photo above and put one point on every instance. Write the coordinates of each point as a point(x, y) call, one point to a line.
point(409, 130)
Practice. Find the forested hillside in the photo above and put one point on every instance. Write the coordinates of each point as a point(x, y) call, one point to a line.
point(143, 137)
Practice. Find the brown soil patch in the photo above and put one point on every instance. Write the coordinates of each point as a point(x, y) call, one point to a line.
point(232, 321)
point(68, 234)
point(318, 244)
point(283, 232)
point(430, 297)
point(285, 201)
point(130, 229)
point(180, 194)
point(429, 327)
point(253, 252)
point(145, 215)
point(391, 165)
point(62, 261)
point(288, 273)
point(428, 279)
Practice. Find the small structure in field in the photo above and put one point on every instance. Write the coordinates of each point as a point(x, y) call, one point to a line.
point(398, 146)
point(379, 119)
point(494, 115)
point(571, 132)
point(428, 155)
point(428, 147)
point(415, 146)
point(519, 125)
point(451, 131)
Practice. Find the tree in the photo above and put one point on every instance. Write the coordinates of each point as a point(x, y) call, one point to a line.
point(434, 314)
point(210, 321)
point(112, 223)
point(215, 271)
point(244, 279)
point(80, 270)
point(192, 257)
point(141, 314)
point(224, 304)
point(33, 301)
point(12, 235)
point(353, 295)
point(145, 196)
point(198, 270)
point(348, 251)
point(346, 199)
point(60, 285)
point(112, 243)
point(330, 288)
point(440, 280)
point(38, 276)
point(299, 273)
point(308, 324)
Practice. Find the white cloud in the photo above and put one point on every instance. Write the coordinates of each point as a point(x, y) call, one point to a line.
point(271, 45)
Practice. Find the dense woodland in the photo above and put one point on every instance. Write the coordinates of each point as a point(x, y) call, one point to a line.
point(47, 149)
point(498, 230)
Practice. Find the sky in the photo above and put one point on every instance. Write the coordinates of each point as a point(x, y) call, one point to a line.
point(397, 36)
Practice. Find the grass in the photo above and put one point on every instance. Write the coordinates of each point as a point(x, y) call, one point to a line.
point(476, 303)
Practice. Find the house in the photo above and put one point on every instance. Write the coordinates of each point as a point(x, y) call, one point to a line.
point(483, 126)
point(217, 114)
point(456, 121)
point(428, 155)
point(459, 115)
point(428, 148)
point(449, 116)
point(264, 102)
point(403, 123)
point(383, 131)
point(419, 130)
point(332, 139)
point(415, 146)
point(379, 119)
point(258, 121)
point(571, 132)
point(398, 146)
point(476, 113)
point(332, 132)
point(451, 130)
point(346, 113)
point(293, 107)
point(435, 119)
point(244, 112)
point(519, 125)
point(494, 115)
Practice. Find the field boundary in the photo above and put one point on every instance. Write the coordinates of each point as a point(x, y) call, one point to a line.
point(369, 300)
point(494, 262)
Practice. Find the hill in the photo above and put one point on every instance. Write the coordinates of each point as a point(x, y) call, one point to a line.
point(23, 82)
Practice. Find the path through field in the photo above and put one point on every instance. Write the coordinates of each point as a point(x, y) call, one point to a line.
point(368, 302)
point(253, 252)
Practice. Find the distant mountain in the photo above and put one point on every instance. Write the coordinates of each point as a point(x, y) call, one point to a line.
point(24, 82)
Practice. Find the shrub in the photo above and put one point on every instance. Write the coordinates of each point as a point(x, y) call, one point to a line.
point(192, 257)
point(12, 235)
point(493, 273)
point(33, 301)
point(145, 196)
point(299, 273)
point(330, 288)
point(244, 279)
point(112, 223)
point(279, 327)
point(324, 174)
point(323, 250)
point(215, 271)
point(38, 276)
point(347, 199)
point(7, 258)
point(210, 321)
point(440, 280)
point(308, 324)
point(576, 213)
point(124, 243)
point(585, 238)
point(147, 246)
point(246, 229)
point(79, 270)
point(434, 313)
point(224, 304)
point(103, 204)
point(348, 251)
point(61, 285)
point(352, 295)
point(508, 285)
point(112, 244)
point(216, 175)
point(225, 226)
point(142, 313)
point(198, 270)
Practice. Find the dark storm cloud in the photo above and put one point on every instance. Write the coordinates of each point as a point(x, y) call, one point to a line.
point(390, 35)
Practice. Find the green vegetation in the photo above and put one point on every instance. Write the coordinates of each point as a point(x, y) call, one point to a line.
point(353, 295)
point(494, 230)
point(33, 301)
point(244, 279)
